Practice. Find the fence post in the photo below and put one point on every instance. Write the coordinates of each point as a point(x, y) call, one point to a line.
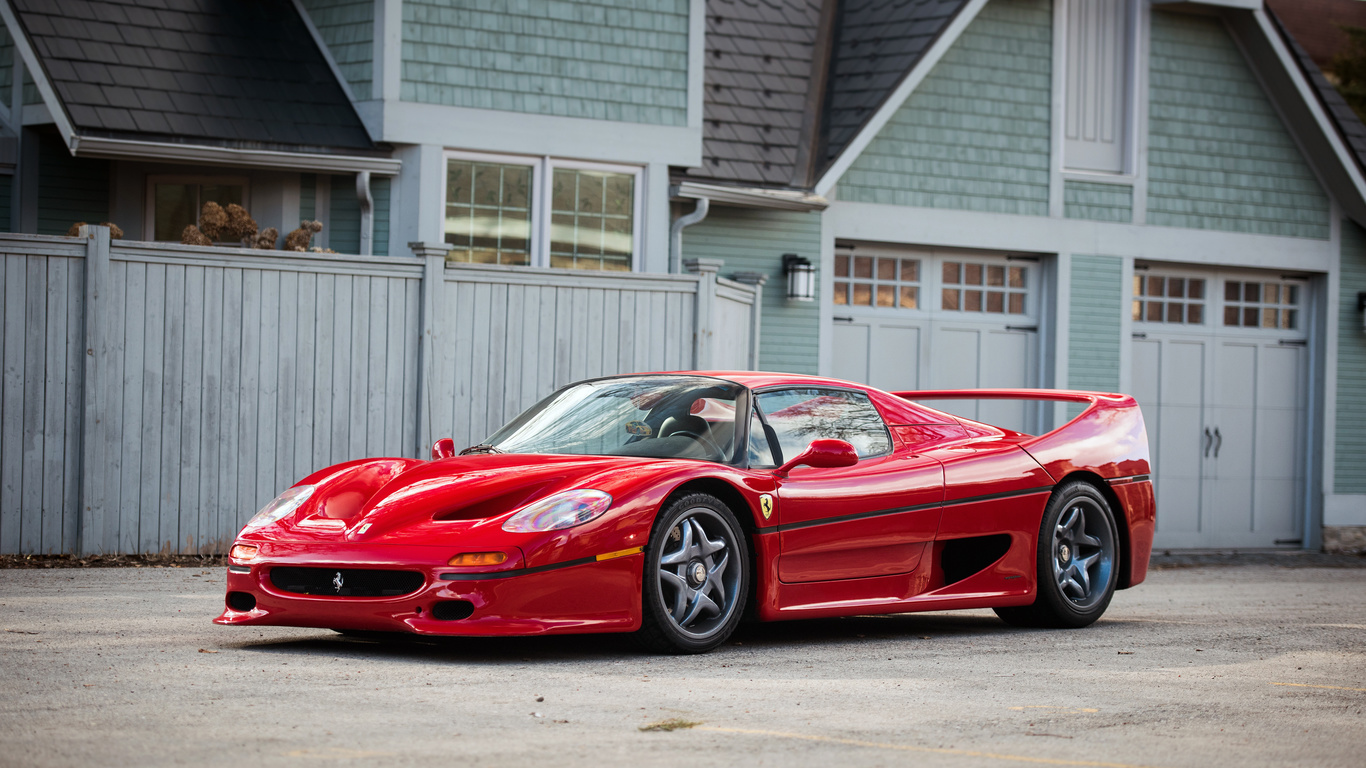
point(433, 278)
point(98, 461)
point(704, 320)
point(756, 281)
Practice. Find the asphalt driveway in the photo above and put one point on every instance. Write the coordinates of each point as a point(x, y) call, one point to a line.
point(1202, 666)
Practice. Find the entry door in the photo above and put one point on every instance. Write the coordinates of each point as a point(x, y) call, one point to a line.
point(917, 319)
point(1221, 371)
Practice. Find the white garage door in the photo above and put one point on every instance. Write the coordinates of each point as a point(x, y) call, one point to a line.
point(1220, 368)
point(922, 319)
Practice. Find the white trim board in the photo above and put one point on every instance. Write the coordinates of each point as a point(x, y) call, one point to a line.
point(1344, 509)
point(50, 100)
point(903, 91)
point(874, 222)
point(490, 130)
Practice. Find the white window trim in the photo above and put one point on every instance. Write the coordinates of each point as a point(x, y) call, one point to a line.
point(542, 171)
point(150, 214)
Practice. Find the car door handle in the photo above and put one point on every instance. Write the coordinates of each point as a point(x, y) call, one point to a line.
point(1209, 440)
point(1218, 442)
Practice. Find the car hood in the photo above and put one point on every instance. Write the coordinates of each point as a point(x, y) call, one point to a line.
point(408, 501)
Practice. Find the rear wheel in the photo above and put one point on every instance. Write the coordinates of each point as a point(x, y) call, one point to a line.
point(1077, 561)
point(696, 577)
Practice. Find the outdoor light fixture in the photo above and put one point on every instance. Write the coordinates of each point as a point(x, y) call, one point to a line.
point(801, 277)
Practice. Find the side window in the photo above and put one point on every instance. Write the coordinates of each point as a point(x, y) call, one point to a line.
point(799, 416)
point(760, 454)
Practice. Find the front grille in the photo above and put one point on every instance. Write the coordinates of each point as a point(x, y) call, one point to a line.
point(354, 582)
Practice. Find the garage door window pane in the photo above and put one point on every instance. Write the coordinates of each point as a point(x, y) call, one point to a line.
point(1168, 299)
point(983, 287)
point(877, 281)
point(1261, 304)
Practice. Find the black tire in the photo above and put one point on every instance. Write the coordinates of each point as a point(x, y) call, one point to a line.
point(1078, 560)
point(681, 612)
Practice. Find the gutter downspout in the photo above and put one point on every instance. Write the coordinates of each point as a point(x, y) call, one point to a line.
point(676, 233)
point(367, 214)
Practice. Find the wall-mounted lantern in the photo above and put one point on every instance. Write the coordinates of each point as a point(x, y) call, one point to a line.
point(801, 277)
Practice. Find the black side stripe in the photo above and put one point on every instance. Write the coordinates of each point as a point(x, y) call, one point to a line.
point(900, 510)
point(517, 572)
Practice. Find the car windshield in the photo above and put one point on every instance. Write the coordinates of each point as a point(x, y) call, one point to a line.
point(675, 417)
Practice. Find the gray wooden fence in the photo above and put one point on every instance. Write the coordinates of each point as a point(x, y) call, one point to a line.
point(155, 395)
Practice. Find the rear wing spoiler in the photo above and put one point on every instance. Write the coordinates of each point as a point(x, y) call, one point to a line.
point(1108, 436)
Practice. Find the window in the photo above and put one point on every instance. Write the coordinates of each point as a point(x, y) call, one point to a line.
point(798, 416)
point(1098, 68)
point(975, 287)
point(1169, 299)
point(488, 212)
point(174, 203)
point(877, 281)
point(1265, 304)
point(541, 212)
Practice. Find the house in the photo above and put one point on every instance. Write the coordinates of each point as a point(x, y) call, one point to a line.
point(1162, 197)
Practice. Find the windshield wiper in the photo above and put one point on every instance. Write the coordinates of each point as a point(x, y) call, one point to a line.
point(481, 448)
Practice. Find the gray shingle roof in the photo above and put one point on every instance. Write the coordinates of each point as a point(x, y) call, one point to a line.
point(242, 73)
point(879, 42)
point(760, 78)
point(758, 69)
point(1349, 126)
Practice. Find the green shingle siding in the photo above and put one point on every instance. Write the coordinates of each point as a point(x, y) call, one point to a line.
point(6, 66)
point(308, 196)
point(69, 189)
point(1218, 155)
point(1098, 202)
point(348, 28)
point(608, 60)
point(379, 191)
point(753, 240)
point(1093, 330)
point(343, 221)
point(1350, 458)
point(975, 134)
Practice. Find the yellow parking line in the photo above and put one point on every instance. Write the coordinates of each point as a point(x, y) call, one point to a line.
point(909, 748)
point(1332, 687)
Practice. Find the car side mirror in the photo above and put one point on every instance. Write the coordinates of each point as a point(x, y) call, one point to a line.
point(443, 448)
point(823, 454)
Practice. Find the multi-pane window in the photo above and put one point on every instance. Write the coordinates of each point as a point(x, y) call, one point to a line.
point(1261, 304)
point(1168, 299)
point(591, 219)
point(540, 212)
point(967, 286)
point(488, 212)
point(176, 203)
point(877, 281)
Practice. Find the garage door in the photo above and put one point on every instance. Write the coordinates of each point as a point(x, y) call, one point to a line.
point(1220, 368)
point(924, 319)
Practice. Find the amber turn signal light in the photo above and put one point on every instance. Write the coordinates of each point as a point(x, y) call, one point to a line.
point(479, 558)
point(242, 552)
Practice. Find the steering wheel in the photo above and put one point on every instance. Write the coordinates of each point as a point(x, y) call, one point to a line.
point(704, 440)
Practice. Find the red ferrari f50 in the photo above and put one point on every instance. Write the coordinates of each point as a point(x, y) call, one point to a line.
point(670, 505)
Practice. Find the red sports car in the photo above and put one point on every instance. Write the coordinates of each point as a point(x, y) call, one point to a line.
point(671, 505)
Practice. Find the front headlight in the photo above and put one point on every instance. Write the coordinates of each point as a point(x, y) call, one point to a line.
point(283, 505)
point(562, 510)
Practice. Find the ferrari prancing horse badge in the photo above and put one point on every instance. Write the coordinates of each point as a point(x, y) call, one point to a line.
point(766, 505)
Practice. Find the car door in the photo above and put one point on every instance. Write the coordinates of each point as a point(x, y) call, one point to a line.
point(874, 518)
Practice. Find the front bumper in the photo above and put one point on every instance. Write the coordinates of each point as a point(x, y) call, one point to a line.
point(577, 596)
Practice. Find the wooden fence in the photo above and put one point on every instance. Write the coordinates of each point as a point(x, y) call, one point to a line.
point(155, 395)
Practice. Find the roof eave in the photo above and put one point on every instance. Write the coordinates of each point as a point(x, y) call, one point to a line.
point(750, 197)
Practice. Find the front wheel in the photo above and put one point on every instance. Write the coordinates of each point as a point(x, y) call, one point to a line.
point(1078, 561)
point(696, 577)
